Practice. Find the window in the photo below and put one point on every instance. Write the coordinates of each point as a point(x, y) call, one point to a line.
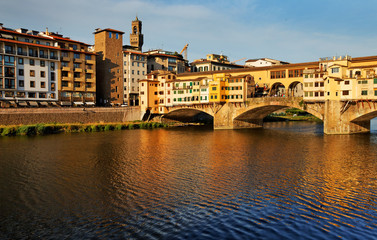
point(43, 74)
point(9, 60)
point(21, 83)
point(364, 92)
point(77, 84)
point(76, 55)
point(31, 95)
point(64, 84)
point(347, 82)
point(31, 62)
point(20, 72)
point(76, 65)
point(43, 84)
point(32, 84)
point(42, 95)
point(9, 83)
point(117, 35)
point(32, 73)
point(21, 61)
point(9, 72)
point(76, 75)
point(52, 66)
point(42, 63)
point(110, 34)
point(88, 57)
point(334, 70)
point(345, 93)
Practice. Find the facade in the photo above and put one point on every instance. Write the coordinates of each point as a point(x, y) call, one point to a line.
point(166, 61)
point(213, 62)
point(162, 90)
point(342, 79)
point(31, 69)
point(135, 69)
point(77, 75)
point(263, 62)
point(110, 72)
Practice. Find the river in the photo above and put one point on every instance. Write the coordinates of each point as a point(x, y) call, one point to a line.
point(286, 181)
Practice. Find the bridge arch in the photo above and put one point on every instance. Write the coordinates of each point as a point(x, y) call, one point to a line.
point(295, 89)
point(253, 114)
point(277, 90)
point(189, 114)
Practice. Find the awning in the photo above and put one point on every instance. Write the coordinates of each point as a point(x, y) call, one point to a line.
point(33, 104)
point(54, 104)
point(89, 103)
point(78, 103)
point(12, 102)
point(22, 104)
point(43, 103)
point(65, 103)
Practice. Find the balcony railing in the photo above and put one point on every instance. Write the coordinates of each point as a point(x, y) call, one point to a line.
point(10, 51)
point(22, 53)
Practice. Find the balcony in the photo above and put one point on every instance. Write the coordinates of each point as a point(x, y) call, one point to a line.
point(89, 71)
point(91, 62)
point(79, 79)
point(90, 80)
point(81, 88)
point(65, 59)
point(78, 60)
point(91, 89)
point(67, 88)
point(22, 53)
point(33, 54)
point(77, 70)
point(67, 78)
point(10, 51)
point(68, 69)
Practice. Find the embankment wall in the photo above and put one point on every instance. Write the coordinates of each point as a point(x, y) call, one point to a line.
point(16, 116)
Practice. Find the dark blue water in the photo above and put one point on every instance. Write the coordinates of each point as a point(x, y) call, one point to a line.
point(287, 181)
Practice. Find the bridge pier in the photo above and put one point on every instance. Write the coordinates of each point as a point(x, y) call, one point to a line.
point(337, 119)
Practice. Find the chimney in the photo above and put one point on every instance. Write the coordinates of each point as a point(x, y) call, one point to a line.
point(1, 26)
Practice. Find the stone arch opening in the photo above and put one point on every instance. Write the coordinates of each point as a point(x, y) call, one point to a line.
point(277, 90)
point(254, 117)
point(188, 115)
point(295, 89)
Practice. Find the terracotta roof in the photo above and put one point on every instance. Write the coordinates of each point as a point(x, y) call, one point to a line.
point(109, 30)
point(68, 40)
point(29, 44)
point(140, 53)
point(24, 34)
point(254, 69)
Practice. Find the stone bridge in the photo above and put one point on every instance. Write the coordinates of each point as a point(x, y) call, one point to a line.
point(339, 117)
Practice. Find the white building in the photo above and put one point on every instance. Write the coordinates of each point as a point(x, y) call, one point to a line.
point(28, 68)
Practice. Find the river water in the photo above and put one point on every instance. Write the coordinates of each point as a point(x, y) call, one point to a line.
point(286, 181)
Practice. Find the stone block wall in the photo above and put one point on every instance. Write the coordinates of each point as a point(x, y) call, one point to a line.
point(16, 116)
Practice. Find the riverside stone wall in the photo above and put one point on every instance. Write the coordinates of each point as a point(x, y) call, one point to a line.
point(16, 116)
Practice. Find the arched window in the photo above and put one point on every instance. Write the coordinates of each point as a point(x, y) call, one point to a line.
point(135, 29)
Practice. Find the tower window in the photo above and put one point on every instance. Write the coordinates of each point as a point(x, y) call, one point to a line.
point(135, 29)
point(117, 35)
point(110, 34)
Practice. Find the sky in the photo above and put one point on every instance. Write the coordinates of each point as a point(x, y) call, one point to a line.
point(288, 30)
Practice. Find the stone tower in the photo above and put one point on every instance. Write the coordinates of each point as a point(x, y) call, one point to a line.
point(109, 46)
point(136, 37)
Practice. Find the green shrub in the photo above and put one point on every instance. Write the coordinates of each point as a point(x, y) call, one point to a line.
point(131, 126)
point(26, 130)
point(118, 127)
point(8, 131)
point(109, 127)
